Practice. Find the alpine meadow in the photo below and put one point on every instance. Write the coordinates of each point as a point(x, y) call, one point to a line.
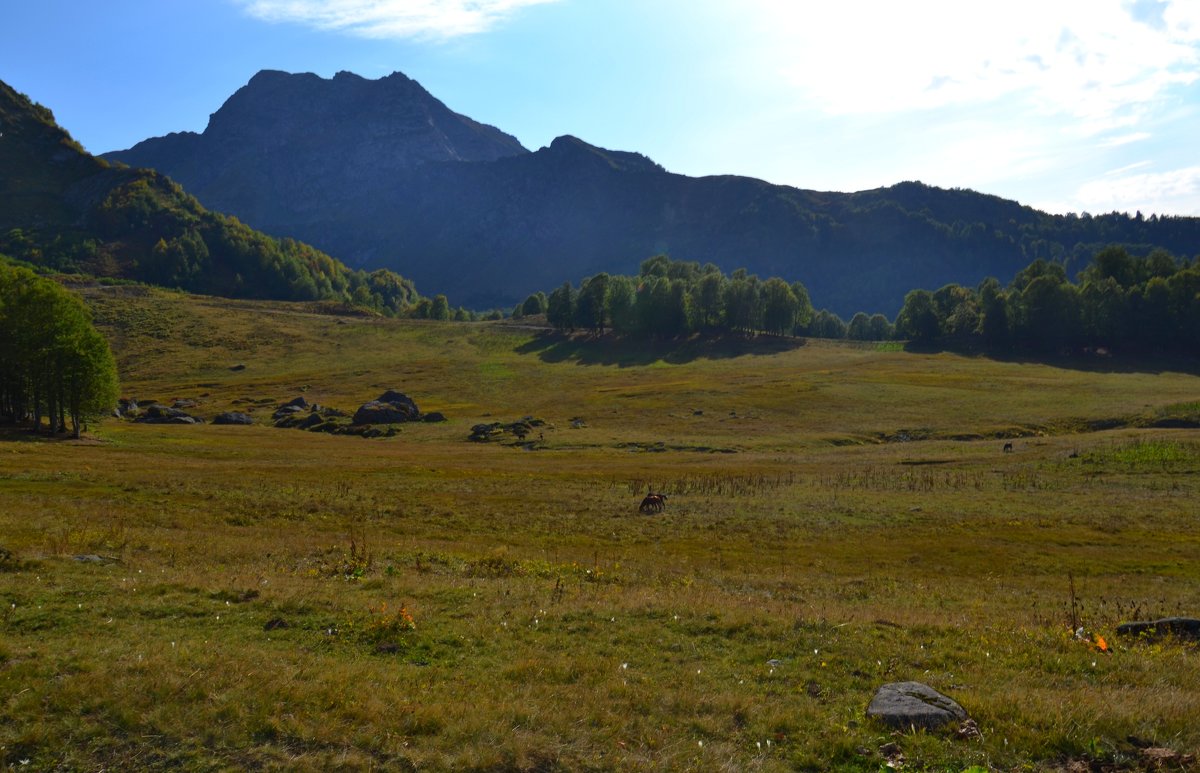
point(348, 432)
point(840, 516)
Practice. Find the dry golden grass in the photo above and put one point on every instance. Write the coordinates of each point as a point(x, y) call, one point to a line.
point(555, 628)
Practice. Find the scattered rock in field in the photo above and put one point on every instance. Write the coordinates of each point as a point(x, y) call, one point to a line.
point(578, 423)
point(311, 421)
point(298, 402)
point(161, 414)
point(391, 407)
point(92, 558)
point(1181, 627)
point(905, 705)
point(387, 648)
point(482, 433)
point(286, 411)
point(275, 624)
point(238, 366)
point(432, 417)
point(184, 404)
point(497, 430)
point(232, 417)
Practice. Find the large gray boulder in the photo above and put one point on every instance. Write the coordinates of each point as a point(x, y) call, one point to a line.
point(391, 407)
point(905, 705)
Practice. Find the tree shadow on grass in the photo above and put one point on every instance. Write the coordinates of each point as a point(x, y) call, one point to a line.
point(587, 349)
point(20, 434)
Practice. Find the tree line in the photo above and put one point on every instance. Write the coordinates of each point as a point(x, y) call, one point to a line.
point(1119, 301)
point(670, 298)
point(53, 363)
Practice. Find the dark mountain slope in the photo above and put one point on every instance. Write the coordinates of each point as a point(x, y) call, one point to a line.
point(286, 151)
point(64, 209)
point(463, 208)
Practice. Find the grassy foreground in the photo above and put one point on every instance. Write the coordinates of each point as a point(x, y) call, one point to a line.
point(209, 597)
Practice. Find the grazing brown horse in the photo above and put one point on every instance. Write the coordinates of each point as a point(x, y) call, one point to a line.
point(653, 503)
point(1008, 448)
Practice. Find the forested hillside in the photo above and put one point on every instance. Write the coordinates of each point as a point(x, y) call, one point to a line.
point(66, 210)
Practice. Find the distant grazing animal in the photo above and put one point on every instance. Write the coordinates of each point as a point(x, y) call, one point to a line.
point(1008, 448)
point(653, 503)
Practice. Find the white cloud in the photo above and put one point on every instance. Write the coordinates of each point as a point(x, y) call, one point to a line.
point(437, 19)
point(1175, 191)
point(1124, 139)
point(1090, 60)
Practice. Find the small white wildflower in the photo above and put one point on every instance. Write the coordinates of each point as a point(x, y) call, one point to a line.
point(700, 743)
point(624, 666)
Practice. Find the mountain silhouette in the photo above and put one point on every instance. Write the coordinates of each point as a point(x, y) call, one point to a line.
point(382, 174)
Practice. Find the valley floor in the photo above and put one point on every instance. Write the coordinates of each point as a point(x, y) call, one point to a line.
point(226, 597)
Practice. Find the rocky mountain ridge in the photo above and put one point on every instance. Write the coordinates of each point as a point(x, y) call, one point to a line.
point(381, 174)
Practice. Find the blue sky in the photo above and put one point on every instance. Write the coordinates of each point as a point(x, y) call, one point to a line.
point(1066, 105)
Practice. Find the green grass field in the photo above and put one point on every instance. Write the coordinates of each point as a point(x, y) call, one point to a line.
point(840, 516)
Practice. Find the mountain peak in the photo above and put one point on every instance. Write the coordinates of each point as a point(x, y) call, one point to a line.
point(568, 146)
point(286, 130)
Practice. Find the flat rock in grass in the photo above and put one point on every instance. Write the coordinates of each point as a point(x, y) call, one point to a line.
point(285, 411)
point(1181, 627)
point(905, 705)
point(232, 417)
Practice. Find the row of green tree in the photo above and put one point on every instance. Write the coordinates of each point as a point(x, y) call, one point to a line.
point(1119, 301)
point(53, 362)
point(676, 298)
